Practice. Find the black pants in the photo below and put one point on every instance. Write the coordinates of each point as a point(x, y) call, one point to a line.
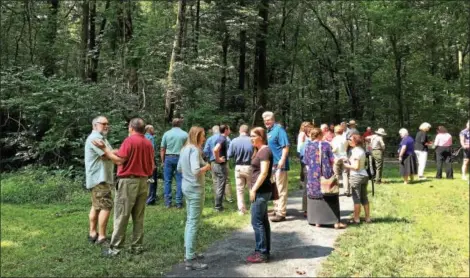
point(444, 155)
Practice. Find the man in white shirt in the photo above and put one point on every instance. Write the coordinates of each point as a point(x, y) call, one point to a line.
point(340, 146)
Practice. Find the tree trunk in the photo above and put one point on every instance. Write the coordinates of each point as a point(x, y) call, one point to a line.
point(196, 29)
point(242, 56)
point(172, 96)
point(95, 54)
point(92, 41)
point(223, 80)
point(84, 40)
point(262, 79)
point(398, 78)
point(51, 33)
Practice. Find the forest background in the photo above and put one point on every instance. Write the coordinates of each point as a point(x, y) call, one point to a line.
point(388, 64)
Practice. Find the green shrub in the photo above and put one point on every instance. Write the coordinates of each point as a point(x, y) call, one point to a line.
point(39, 186)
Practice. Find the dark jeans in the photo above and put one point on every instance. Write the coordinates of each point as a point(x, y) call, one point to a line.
point(444, 155)
point(260, 222)
point(152, 197)
point(169, 170)
point(221, 175)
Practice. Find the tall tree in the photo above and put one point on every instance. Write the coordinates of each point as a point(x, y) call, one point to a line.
point(49, 58)
point(261, 63)
point(173, 95)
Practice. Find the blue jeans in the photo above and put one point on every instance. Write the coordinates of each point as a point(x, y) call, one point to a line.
point(194, 206)
point(260, 222)
point(169, 170)
point(152, 197)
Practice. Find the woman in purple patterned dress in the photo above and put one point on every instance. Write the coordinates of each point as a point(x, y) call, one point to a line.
point(321, 209)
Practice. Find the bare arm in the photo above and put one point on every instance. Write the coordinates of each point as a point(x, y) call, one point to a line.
point(162, 154)
point(282, 161)
point(216, 153)
point(402, 152)
point(462, 141)
point(259, 181)
point(354, 164)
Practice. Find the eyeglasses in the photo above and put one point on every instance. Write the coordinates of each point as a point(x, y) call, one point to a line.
point(105, 124)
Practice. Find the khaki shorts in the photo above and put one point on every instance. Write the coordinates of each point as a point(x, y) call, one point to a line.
point(101, 198)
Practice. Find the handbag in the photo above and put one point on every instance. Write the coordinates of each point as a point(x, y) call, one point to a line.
point(329, 186)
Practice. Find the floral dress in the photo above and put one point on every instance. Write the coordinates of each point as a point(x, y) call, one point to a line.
point(312, 160)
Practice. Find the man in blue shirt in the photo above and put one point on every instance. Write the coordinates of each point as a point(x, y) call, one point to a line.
point(172, 142)
point(208, 153)
point(241, 150)
point(152, 197)
point(278, 142)
point(219, 166)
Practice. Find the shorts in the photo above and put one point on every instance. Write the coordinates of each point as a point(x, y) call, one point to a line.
point(466, 153)
point(359, 189)
point(101, 198)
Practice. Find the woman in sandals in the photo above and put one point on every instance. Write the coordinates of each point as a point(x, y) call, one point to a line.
point(358, 178)
point(318, 158)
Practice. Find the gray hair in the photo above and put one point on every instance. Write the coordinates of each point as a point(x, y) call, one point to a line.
point(267, 115)
point(424, 126)
point(148, 127)
point(244, 128)
point(137, 124)
point(403, 132)
point(215, 129)
point(96, 119)
point(323, 126)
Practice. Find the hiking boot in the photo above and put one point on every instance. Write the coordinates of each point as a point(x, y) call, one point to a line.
point(256, 258)
point(277, 218)
point(193, 264)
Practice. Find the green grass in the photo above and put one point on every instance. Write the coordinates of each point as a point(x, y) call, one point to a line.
point(419, 230)
point(50, 239)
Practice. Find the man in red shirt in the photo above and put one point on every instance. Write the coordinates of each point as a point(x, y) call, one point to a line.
point(135, 160)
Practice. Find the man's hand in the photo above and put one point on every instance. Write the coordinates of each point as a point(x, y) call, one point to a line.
point(280, 164)
point(99, 143)
point(252, 195)
point(221, 159)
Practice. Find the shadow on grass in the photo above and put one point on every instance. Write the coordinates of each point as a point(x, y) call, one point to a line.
point(390, 219)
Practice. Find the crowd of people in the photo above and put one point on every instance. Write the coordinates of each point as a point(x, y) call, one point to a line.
point(330, 155)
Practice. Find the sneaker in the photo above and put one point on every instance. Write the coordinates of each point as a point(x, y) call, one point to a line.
point(197, 256)
point(193, 264)
point(110, 253)
point(422, 178)
point(256, 258)
point(277, 218)
point(219, 209)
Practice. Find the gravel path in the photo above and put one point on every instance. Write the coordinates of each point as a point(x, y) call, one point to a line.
point(297, 249)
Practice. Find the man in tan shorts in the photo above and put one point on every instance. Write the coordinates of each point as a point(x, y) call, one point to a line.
point(99, 178)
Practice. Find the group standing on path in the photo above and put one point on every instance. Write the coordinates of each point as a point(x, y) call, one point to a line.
point(328, 154)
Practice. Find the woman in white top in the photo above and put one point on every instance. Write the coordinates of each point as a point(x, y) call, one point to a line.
point(301, 139)
point(358, 178)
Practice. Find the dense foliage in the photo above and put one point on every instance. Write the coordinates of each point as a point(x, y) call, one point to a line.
point(385, 63)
